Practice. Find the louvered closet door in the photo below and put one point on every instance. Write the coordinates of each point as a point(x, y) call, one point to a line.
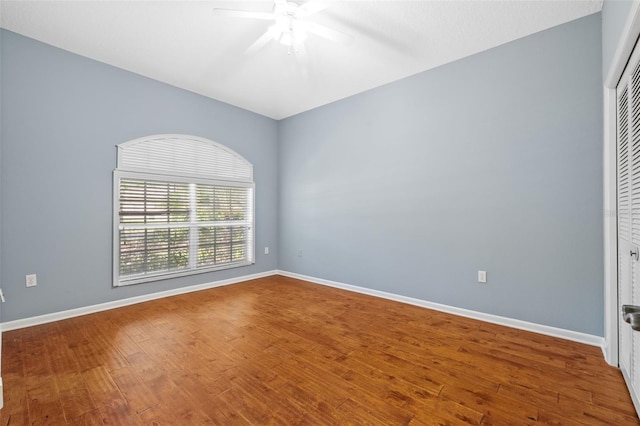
point(628, 153)
point(624, 230)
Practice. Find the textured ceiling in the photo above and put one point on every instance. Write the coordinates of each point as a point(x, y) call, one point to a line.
point(183, 43)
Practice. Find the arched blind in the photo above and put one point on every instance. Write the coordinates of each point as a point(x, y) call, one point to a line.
point(182, 155)
point(182, 205)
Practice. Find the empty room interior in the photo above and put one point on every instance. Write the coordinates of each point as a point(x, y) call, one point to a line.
point(320, 212)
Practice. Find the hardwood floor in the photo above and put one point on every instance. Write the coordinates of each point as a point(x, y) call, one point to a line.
point(282, 351)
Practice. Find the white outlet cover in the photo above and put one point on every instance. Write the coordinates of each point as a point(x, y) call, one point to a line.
point(482, 276)
point(31, 280)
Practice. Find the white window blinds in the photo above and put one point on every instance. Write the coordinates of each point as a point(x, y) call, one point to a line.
point(182, 155)
point(180, 218)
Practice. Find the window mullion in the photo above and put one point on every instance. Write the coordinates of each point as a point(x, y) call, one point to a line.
point(168, 210)
point(193, 229)
point(145, 267)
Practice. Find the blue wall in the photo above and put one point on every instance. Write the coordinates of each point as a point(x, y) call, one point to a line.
point(62, 116)
point(493, 162)
point(614, 18)
point(0, 173)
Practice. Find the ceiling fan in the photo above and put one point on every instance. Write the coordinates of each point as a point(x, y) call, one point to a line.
point(290, 26)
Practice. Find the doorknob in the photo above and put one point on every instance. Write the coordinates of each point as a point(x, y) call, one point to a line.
point(631, 314)
point(634, 253)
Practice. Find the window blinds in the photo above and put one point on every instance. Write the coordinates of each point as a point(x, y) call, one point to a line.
point(183, 222)
point(180, 155)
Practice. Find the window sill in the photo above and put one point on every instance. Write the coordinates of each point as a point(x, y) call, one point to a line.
point(147, 278)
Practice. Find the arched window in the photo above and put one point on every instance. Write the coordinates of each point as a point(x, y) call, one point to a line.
point(182, 205)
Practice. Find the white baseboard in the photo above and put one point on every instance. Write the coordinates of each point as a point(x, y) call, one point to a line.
point(495, 319)
point(57, 316)
point(575, 336)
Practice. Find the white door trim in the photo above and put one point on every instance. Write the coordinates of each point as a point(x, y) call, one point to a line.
point(625, 46)
point(610, 349)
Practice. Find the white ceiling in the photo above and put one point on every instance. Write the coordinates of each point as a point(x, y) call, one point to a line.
point(184, 44)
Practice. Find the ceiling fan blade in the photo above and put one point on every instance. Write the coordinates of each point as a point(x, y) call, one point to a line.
point(259, 43)
point(326, 32)
point(309, 8)
point(233, 13)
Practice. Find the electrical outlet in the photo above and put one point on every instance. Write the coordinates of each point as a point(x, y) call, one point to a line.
point(31, 280)
point(266, 250)
point(482, 276)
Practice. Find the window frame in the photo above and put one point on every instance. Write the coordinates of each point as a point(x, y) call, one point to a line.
point(118, 281)
point(181, 159)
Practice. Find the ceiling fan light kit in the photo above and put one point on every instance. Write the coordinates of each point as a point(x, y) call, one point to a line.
point(290, 27)
point(288, 31)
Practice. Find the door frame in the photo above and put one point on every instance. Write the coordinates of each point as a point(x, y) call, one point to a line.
point(623, 51)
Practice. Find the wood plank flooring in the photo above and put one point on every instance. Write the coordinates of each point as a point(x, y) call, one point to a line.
point(283, 351)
